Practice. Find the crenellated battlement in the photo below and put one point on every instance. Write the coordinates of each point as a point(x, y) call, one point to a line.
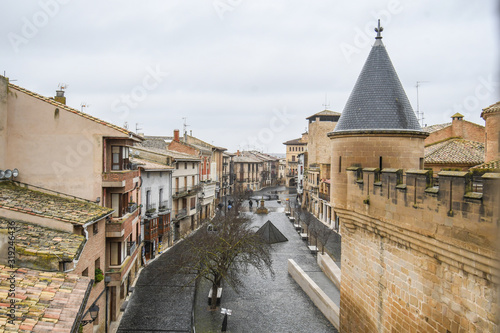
point(452, 192)
point(446, 220)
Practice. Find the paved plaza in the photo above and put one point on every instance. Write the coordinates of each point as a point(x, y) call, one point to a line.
point(160, 302)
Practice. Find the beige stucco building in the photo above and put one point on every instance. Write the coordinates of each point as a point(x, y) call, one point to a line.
point(58, 148)
point(293, 149)
point(316, 194)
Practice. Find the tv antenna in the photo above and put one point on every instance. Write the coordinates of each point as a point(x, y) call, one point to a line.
point(185, 125)
point(83, 105)
point(326, 105)
point(137, 128)
point(4, 75)
point(63, 86)
point(420, 115)
point(125, 125)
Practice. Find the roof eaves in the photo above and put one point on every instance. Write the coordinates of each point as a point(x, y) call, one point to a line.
point(77, 112)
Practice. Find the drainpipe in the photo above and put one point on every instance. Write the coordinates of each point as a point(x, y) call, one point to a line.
point(75, 261)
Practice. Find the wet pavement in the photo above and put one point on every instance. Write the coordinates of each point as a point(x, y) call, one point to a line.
point(267, 305)
point(161, 303)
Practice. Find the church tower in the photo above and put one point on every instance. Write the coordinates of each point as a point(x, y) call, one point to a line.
point(378, 127)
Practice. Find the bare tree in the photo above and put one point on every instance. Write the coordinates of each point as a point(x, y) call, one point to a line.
point(298, 212)
point(307, 219)
point(323, 233)
point(223, 251)
point(240, 195)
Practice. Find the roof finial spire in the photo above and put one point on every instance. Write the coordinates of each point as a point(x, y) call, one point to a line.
point(379, 29)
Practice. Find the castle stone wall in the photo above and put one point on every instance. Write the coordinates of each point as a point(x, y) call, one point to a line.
point(416, 257)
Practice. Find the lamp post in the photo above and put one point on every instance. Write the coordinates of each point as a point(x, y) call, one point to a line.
point(94, 312)
point(225, 312)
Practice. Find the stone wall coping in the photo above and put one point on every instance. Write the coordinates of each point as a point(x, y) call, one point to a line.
point(418, 172)
point(453, 173)
point(371, 169)
point(491, 175)
point(391, 170)
point(353, 168)
point(473, 195)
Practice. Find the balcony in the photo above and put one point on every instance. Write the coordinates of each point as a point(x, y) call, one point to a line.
point(131, 207)
point(180, 214)
point(150, 209)
point(121, 179)
point(117, 272)
point(131, 246)
point(120, 226)
point(163, 207)
point(185, 191)
point(324, 196)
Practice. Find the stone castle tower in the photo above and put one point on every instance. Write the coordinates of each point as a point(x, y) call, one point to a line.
point(377, 127)
point(416, 256)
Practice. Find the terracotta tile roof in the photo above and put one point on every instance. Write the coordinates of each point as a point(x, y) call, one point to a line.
point(260, 156)
point(295, 142)
point(33, 240)
point(455, 151)
point(434, 128)
point(45, 301)
point(16, 198)
point(325, 113)
point(75, 111)
point(148, 165)
point(246, 159)
point(491, 109)
point(162, 151)
point(491, 165)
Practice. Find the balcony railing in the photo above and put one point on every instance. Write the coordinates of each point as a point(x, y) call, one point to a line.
point(185, 190)
point(131, 248)
point(163, 206)
point(150, 209)
point(324, 196)
point(181, 213)
point(132, 207)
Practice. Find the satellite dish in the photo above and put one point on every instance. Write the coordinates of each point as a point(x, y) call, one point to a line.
point(8, 173)
point(15, 173)
point(2, 174)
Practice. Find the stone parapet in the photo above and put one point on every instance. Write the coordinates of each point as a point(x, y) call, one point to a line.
point(419, 254)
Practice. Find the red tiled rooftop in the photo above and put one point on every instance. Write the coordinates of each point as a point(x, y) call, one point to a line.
point(455, 151)
point(17, 198)
point(40, 310)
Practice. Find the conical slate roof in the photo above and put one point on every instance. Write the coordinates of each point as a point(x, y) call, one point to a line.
point(271, 234)
point(378, 100)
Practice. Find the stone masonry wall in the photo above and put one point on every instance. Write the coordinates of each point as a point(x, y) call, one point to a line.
point(318, 145)
point(458, 128)
point(492, 136)
point(419, 258)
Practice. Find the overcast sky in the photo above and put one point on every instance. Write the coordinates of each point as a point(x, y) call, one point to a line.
point(246, 73)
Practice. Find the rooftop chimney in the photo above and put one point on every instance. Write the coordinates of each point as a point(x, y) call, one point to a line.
point(176, 135)
point(60, 97)
point(238, 152)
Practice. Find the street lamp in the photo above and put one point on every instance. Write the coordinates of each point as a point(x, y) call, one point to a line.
point(94, 312)
point(225, 312)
